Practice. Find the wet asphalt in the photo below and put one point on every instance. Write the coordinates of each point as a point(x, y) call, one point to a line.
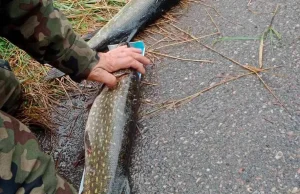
point(235, 138)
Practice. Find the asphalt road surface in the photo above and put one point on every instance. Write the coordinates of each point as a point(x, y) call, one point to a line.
point(235, 138)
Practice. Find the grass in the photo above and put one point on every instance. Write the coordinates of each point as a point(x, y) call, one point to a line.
point(88, 15)
point(40, 97)
point(227, 38)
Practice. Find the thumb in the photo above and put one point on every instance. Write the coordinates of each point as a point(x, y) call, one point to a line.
point(104, 77)
point(108, 79)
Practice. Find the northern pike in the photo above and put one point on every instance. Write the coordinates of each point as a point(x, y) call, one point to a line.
point(110, 127)
point(112, 119)
point(132, 17)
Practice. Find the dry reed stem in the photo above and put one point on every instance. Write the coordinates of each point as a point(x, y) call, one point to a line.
point(186, 41)
point(261, 50)
point(157, 42)
point(175, 103)
point(261, 46)
point(209, 6)
point(249, 3)
point(252, 69)
point(182, 59)
point(213, 21)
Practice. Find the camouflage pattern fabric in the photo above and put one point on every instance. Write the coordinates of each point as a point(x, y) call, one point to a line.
point(10, 88)
point(44, 33)
point(24, 168)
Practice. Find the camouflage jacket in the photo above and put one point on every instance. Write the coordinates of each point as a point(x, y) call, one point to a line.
point(44, 33)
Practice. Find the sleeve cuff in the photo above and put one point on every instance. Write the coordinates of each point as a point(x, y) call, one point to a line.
point(78, 60)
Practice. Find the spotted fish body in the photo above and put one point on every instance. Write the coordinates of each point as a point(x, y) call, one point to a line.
point(111, 121)
point(110, 125)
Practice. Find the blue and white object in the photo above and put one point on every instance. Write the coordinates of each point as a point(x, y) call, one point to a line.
point(139, 45)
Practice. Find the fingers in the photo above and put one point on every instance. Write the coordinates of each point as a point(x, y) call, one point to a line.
point(141, 58)
point(136, 55)
point(108, 79)
point(137, 61)
point(137, 65)
point(122, 58)
point(124, 51)
point(114, 60)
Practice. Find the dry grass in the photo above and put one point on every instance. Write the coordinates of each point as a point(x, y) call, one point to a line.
point(89, 15)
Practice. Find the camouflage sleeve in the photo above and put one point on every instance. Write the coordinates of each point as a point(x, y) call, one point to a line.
point(44, 33)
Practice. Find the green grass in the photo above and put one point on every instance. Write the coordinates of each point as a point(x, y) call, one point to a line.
point(227, 38)
point(88, 15)
point(6, 49)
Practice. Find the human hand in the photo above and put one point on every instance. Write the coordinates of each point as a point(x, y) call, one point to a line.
point(114, 60)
